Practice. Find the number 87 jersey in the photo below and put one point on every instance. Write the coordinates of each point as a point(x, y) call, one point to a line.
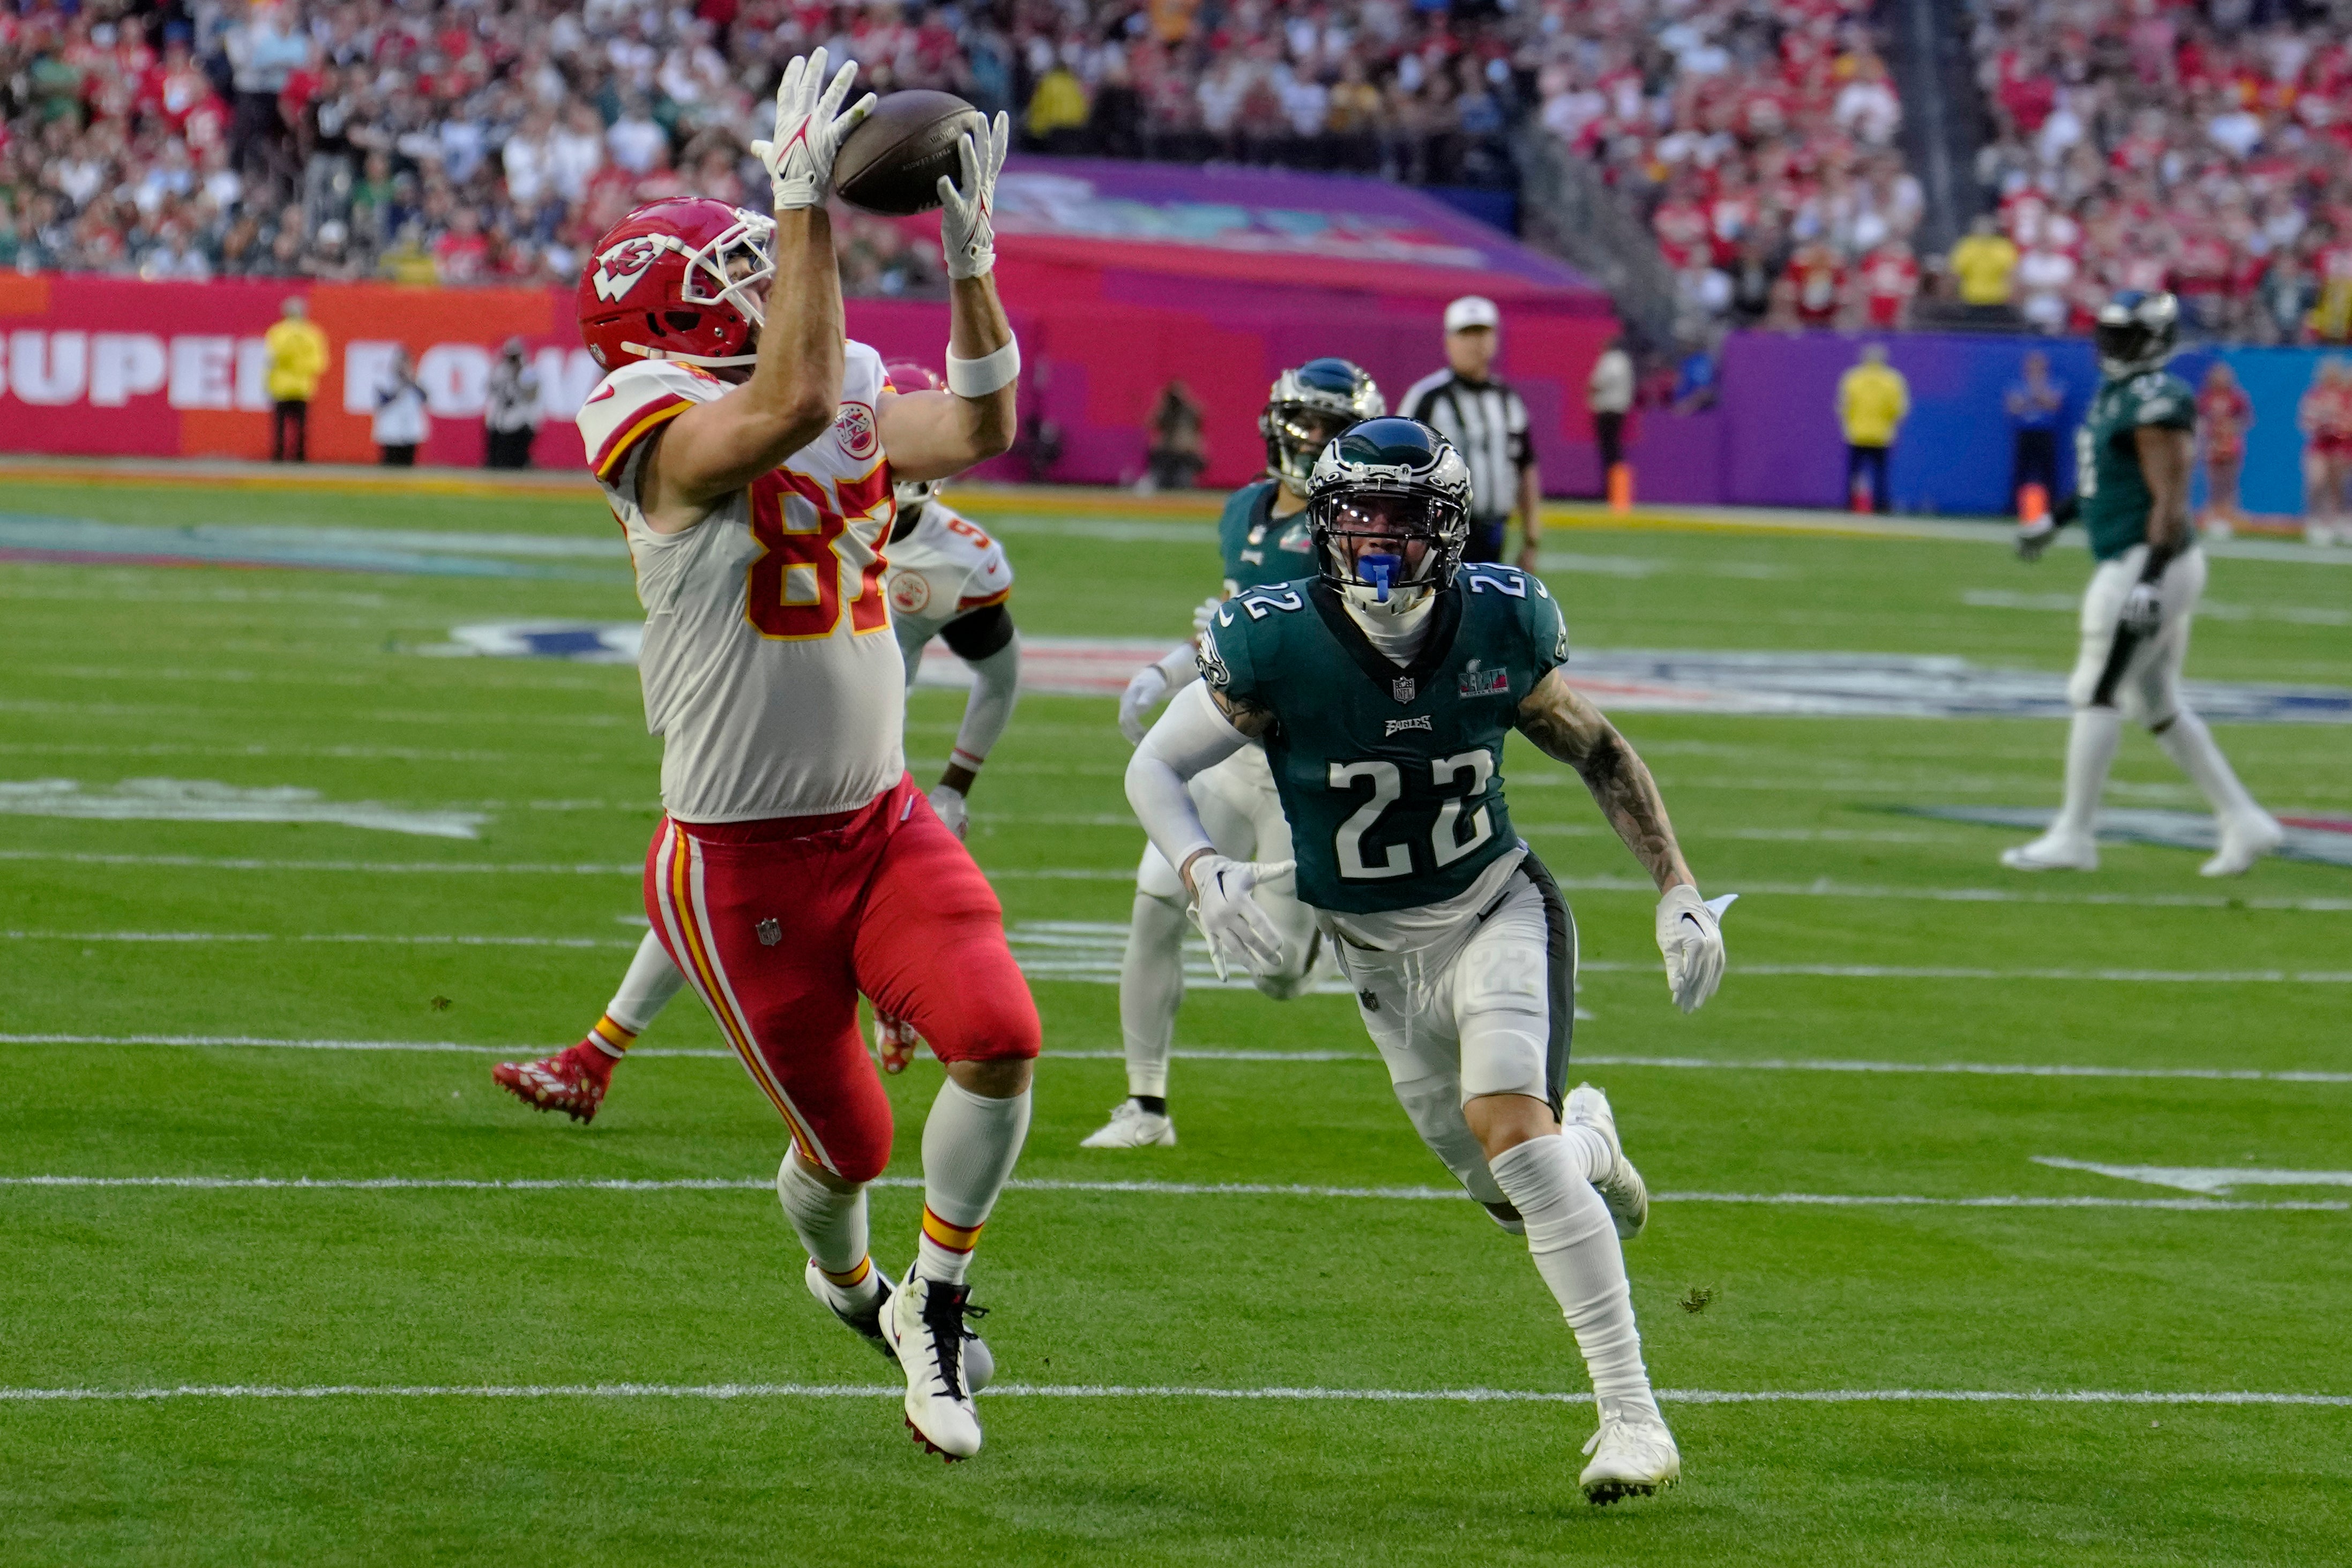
point(1390, 776)
point(769, 668)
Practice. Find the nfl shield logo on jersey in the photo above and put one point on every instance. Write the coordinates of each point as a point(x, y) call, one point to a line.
point(769, 932)
point(1403, 689)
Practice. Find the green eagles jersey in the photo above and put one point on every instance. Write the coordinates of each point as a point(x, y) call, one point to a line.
point(1259, 550)
point(1391, 778)
point(2107, 481)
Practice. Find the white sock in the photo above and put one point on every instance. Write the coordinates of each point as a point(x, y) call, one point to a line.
point(2191, 745)
point(968, 1145)
point(1575, 1249)
point(831, 1225)
point(1588, 1152)
point(645, 989)
point(2090, 753)
point(1150, 989)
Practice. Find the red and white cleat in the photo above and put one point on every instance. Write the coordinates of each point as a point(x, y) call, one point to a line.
point(573, 1080)
point(895, 1041)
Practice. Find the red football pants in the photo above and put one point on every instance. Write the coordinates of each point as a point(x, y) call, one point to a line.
point(781, 924)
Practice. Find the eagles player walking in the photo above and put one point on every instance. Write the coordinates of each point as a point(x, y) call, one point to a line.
point(2133, 456)
point(1381, 690)
point(1264, 539)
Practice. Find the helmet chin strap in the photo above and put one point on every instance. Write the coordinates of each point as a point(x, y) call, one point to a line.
point(708, 362)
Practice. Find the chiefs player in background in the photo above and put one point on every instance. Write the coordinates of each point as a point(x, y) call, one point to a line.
point(748, 450)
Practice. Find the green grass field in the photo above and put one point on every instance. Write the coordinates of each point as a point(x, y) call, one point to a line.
point(420, 1302)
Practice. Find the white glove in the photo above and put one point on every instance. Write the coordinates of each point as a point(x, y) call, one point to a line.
point(2144, 609)
point(1690, 934)
point(2034, 537)
point(810, 125)
point(1207, 613)
point(967, 229)
point(1230, 918)
point(1150, 684)
point(948, 803)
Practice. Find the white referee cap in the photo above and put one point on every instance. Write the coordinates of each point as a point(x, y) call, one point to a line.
point(1472, 310)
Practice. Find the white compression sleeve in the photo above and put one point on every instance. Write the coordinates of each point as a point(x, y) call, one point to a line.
point(1182, 665)
point(646, 989)
point(1191, 737)
point(995, 686)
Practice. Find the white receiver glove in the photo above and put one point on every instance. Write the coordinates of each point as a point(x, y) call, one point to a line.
point(1150, 684)
point(1206, 613)
point(2143, 610)
point(1690, 934)
point(810, 125)
point(1231, 919)
point(967, 225)
point(950, 805)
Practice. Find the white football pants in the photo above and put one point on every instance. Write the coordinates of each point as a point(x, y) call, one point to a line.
point(2113, 679)
point(1486, 1010)
point(1243, 814)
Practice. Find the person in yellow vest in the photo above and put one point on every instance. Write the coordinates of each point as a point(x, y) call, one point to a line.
point(1872, 400)
point(1984, 267)
point(298, 358)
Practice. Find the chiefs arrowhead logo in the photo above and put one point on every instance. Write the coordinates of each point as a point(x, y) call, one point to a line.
point(618, 269)
point(854, 428)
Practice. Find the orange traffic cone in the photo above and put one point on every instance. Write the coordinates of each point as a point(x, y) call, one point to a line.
point(2033, 503)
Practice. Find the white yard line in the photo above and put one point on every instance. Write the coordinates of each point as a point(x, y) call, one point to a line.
point(1145, 1188)
point(1287, 1395)
point(2206, 1179)
point(1228, 1054)
point(392, 867)
point(629, 944)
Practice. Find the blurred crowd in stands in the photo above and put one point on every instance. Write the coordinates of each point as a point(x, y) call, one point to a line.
point(469, 141)
point(2145, 143)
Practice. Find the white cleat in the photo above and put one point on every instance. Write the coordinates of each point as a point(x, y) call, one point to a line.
point(1636, 1457)
point(861, 1313)
point(2243, 844)
point(1621, 1188)
point(924, 1323)
point(2054, 852)
point(1131, 1127)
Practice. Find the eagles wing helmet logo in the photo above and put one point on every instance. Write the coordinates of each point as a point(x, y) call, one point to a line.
point(618, 269)
point(1403, 689)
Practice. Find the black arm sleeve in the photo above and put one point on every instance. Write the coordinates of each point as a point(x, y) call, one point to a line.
point(979, 634)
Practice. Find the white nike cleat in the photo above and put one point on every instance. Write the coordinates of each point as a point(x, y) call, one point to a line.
point(1636, 1457)
point(1621, 1188)
point(861, 1313)
point(924, 1323)
point(2243, 843)
point(2054, 852)
point(1131, 1127)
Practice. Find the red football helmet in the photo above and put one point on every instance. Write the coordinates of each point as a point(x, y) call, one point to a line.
point(909, 375)
point(681, 279)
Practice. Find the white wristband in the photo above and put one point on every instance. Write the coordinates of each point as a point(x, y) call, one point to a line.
point(990, 373)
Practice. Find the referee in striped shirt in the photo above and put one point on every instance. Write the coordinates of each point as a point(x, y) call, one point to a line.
point(1488, 423)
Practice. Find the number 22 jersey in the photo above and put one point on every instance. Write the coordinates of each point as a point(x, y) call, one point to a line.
point(769, 668)
point(1392, 775)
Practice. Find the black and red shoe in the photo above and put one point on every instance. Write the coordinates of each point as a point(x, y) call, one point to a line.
point(573, 1080)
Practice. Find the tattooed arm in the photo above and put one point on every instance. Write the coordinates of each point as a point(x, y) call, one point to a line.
point(1565, 724)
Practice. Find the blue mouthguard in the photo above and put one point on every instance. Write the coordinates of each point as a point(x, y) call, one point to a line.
point(1380, 570)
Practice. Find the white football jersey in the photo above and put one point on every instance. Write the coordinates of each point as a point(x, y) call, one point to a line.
point(947, 567)
point(769, 669)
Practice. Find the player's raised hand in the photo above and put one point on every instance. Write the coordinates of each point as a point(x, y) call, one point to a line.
point(810, 125)
point(1690, 935)
point(1230, 918)
point(967, 207)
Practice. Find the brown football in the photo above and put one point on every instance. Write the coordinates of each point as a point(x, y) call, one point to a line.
point(891, 162)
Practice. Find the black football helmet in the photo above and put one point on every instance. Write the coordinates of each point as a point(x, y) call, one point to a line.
point(1308, 406)
point(2136, 330)
point(1391, 481)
